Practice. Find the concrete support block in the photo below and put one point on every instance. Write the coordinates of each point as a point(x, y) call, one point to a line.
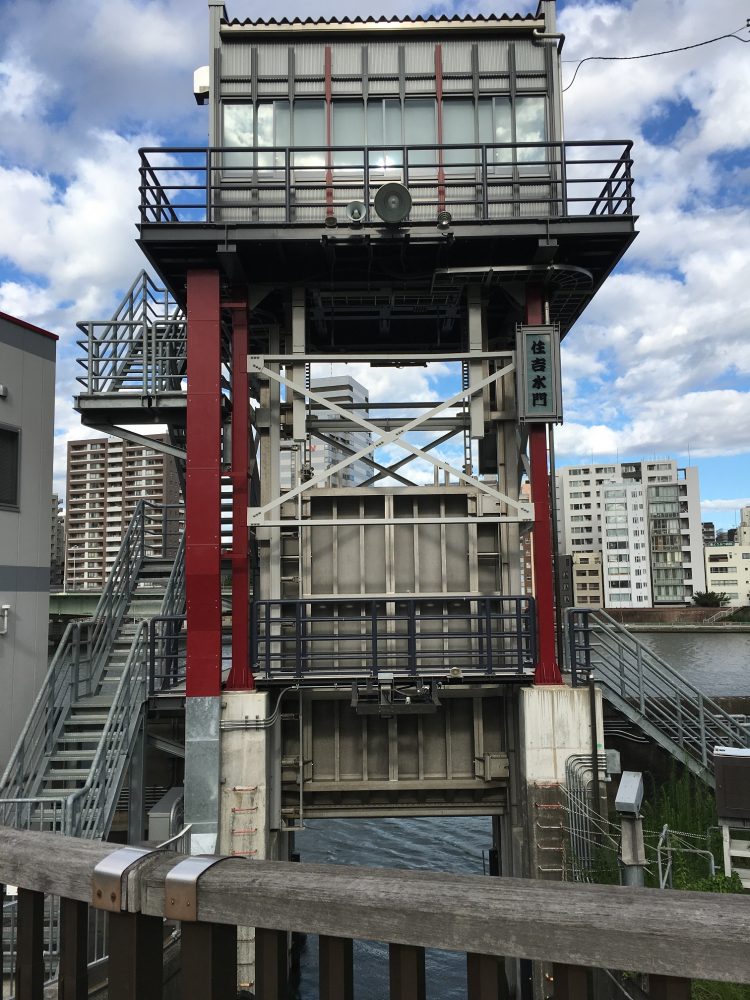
point(249, 801)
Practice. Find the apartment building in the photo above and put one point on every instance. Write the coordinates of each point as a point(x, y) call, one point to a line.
point(644, 517)
point(743, 531)
point(56, 543)
point(328, 448)
point(587, 583)
point(728, 572)
point(106, 478)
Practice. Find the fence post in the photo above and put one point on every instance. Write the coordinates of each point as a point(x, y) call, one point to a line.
point(73, 974)
point(571, 982)
point(270, 964)
point(208, 961)
point(30, 946)
point(336, 967)
point(135, 956)
point(669, 988)
point(485, 977)
point(406, 972)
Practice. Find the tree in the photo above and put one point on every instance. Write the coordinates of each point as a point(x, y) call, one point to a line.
point(710, 599)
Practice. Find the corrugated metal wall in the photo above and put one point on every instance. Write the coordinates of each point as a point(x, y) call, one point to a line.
point(379, 61)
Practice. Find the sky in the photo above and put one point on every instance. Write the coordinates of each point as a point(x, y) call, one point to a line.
point(658, 365)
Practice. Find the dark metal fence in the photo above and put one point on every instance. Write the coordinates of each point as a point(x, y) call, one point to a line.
point(311, 185)
point(425, 637)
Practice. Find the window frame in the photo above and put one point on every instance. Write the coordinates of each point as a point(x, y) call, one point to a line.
point(15, 430)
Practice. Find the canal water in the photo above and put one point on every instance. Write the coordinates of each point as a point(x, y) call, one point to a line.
point(718, 664)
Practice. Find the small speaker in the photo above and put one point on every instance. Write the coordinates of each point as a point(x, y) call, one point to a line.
point(356, 211)
point(393, 203)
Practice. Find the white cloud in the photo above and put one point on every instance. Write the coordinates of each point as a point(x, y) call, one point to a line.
point(736, 504)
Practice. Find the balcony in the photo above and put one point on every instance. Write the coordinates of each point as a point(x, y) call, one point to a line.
point(561, 213)
point(292, 186)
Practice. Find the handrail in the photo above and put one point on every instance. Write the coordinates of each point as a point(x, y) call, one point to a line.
point(652, 692)
point(65, 678)
point(140, 349)
point(476, 182)
point(681, 935)
point(89, 809)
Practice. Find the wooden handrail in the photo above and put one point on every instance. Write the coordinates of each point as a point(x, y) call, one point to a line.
point(685, 934)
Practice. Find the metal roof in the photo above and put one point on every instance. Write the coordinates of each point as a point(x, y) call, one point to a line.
point(27, 326)
point(431, 20)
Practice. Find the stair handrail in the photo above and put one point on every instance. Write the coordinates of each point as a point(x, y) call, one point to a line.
point(661, 694)
point(129, 340)
point(77, 664)
point(97, 798)
point(89, 809)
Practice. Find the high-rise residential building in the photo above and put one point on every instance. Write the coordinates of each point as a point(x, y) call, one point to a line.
point(743, 531)
point(329, 448)
point(650, 534)
point(27, 404)
point(709, 532)
point(106, 478)
point(587, 579)
point(728, 572)
point(625, 563)
point(57, 543)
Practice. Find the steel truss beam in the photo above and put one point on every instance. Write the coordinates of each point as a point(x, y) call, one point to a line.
point(257, 364)
point(161, 446)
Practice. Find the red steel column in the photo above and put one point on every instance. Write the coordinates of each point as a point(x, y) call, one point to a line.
point(547, 671)
point(240, 676)
point(203, 487)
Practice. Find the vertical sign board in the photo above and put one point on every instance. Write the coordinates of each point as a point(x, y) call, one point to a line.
point(538, 384)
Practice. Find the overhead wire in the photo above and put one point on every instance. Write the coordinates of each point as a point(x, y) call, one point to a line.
point(651, 55)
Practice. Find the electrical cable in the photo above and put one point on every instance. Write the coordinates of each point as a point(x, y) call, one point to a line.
point(651, 55)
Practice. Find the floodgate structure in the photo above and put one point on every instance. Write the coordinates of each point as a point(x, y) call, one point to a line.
point(395, 198)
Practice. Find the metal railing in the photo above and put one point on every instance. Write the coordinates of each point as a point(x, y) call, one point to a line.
point(650, 692)
point(75, 670)
point(140, 350)
point(360, 637)
point(298, 185)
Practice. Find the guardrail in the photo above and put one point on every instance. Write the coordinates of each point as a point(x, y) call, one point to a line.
point(141, 349)
point(673, 937)
point(77, 665)
point(654, 695)
point(361, 636)
point(299, 185)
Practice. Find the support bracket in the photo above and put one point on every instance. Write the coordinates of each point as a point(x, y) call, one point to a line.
point(109, 884)
point(181, 885)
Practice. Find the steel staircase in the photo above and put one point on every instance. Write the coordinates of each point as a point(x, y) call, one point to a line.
point(650, 693)
point(67, 768)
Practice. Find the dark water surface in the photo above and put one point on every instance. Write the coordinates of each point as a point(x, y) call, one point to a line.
point(717, 664)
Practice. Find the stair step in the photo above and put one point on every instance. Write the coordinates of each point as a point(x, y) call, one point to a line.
point(744, 875)
point(89, 719)
point(63, 755)
point(739, 848)
point(91, 702)
point(67, 773)
point(87, 737)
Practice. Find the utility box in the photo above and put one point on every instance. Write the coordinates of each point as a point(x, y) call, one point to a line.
point(732, 771)
point(165, 818)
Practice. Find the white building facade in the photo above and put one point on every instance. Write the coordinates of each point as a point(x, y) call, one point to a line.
point(648, 529)
point(728, 572)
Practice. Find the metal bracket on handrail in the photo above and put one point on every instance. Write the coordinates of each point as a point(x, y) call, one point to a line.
point(181, 885)
point(108, 881)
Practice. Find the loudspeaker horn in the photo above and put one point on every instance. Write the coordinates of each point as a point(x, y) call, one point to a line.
point(356, 211)
point(393, 203)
